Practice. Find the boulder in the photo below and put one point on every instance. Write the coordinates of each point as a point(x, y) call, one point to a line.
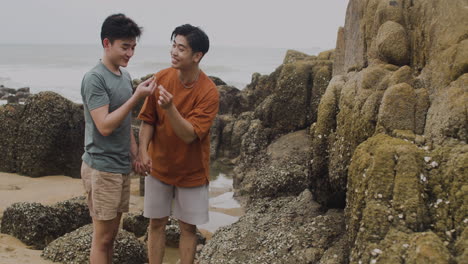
point(10, 119)
point(50, 137)
point(403, 108)
point(283, 230)
point(392, 43)
point(284, 171)
point(75, 246)
point(298, 90)
point(37, 225)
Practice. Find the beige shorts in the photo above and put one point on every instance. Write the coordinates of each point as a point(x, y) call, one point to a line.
point(189, 204)
point(108, 193)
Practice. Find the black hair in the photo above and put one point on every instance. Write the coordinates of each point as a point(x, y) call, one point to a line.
point(118, 26)
point(196, 38)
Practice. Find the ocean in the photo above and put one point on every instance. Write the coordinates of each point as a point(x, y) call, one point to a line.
point(60, 68)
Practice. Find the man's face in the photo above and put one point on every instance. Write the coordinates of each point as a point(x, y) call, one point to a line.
point(182, 56)
point(120, 51)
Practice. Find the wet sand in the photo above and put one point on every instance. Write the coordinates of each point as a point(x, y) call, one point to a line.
point(51, 189)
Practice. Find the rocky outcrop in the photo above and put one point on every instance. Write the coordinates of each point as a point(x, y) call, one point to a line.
point(75, 247)
point(14, 96)
point(390, 76)
point(37, 225)
point(283, 230)
point(270, 106)
point(389, 143)
point(42, 137)
point(388, 139)
point(283, 172)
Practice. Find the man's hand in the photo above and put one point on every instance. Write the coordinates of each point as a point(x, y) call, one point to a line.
point(146, 88)
point(136, 164)
point(145, 165)
point(165, 98)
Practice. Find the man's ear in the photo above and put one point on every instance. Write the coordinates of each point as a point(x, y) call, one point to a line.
point(197, 57)
point(106, 43)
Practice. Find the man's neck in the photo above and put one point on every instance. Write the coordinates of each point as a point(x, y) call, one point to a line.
point(110, 66)
point(189, 75)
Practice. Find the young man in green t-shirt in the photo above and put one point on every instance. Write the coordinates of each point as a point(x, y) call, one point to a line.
point(110, 147)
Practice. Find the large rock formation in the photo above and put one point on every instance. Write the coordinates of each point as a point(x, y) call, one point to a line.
point(388, 138)
point(42, 137)
point(397, 100)
point(37, 225)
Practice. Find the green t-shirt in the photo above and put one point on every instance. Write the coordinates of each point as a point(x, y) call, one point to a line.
point(102, 87)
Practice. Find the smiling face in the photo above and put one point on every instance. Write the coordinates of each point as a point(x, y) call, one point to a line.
point(182, 56)
point(120, 51)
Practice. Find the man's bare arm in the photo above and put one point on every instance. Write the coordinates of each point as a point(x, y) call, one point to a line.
point(145, 136)
point(107, 122)
point(183, 128)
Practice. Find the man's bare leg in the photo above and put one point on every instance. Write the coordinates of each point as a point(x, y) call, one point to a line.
point(103, 240)
point(116, 224)
point(188, 242)
point(157, 240)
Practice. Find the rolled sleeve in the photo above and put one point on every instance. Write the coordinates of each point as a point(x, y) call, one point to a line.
point(202, 116)
point(148, 111)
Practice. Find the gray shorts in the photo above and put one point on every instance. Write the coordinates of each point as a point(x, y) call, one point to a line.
point(190, 205)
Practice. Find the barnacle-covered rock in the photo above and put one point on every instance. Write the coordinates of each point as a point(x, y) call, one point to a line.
point(37, 225)
point(74, 248)
point(282, 230)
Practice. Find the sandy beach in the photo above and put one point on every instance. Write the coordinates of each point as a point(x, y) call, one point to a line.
point(46, 190)
point(51, 189)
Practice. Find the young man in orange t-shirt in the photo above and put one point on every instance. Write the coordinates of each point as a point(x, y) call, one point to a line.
point(175, 144)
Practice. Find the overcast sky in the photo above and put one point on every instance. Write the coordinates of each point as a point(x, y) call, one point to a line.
point(264, 23)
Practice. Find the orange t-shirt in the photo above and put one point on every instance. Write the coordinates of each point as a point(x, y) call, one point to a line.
point(175, 162)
